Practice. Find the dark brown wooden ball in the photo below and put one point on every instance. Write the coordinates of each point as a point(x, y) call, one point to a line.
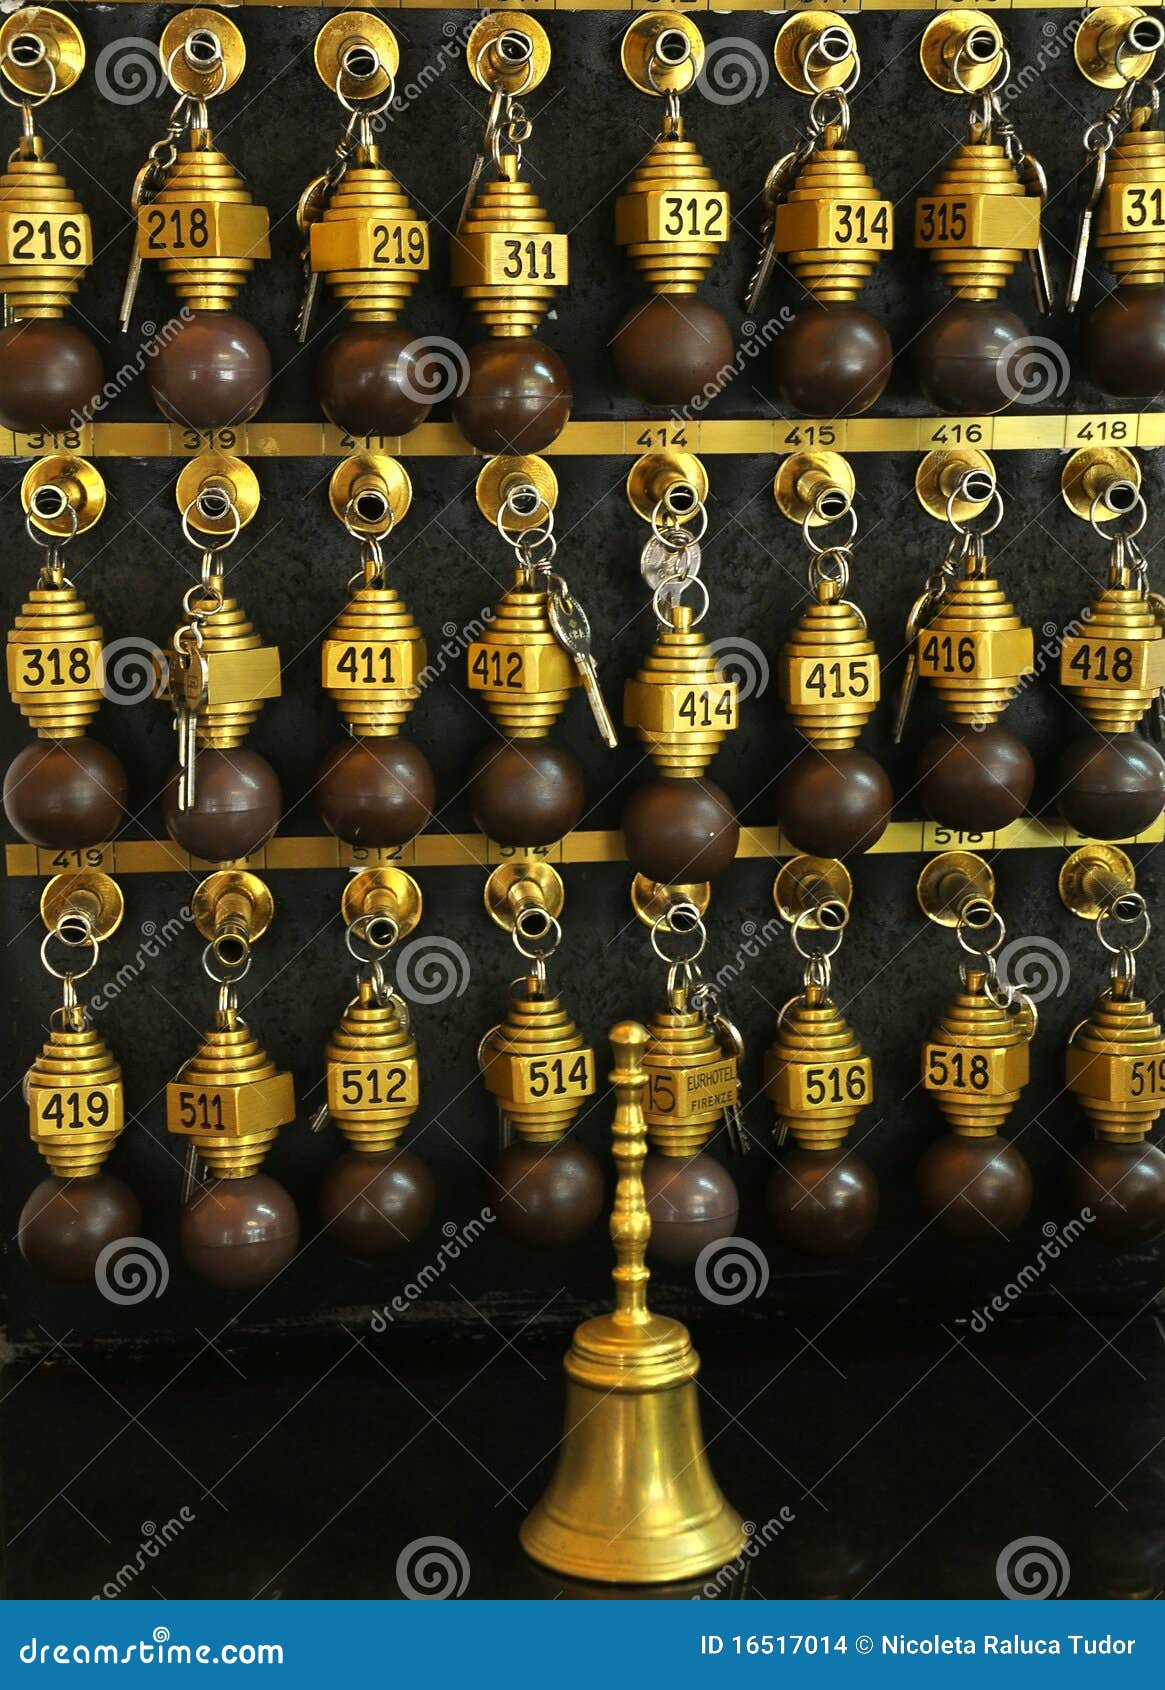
point(975, 780)
point(1110, 788)
point(975, 1189)
point(824, 1202)
point(240, 1233)
point(1124, 342)
point(50, 375)
point(963, 358)
point(526, 791)
point(376, 791)
point(66, 1223)
point(672, 349)
point(214, 373)
point(547, 1195)
point(834, 804)
point(64, 794)
point(680, 830)
point(692, 1202)
point(373, 1205)
point(1124, 1187)
point(237, 805)
point(832, 361)
point(517, 398)
point(370, 380)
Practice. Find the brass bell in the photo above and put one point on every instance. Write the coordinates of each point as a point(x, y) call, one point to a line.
point(633, 1499)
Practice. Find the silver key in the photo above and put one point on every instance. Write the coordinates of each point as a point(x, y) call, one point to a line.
point(1030, 172)
point(188, 691)
point(307, 307)
point(1084, 232)
point(660, 564)
point(573, 633)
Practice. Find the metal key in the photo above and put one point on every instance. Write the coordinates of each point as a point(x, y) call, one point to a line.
point(1084, 232)
point(573, 633)
point(731, 1040)
point(660, 563)
point(919, 614)
point(778, 181)
point(188, 693)
point(1031, 174)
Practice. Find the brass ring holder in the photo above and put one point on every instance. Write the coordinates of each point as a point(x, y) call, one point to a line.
point(961, 51)
point(1094, 879)
point(814, 487)
point(86, 897)
point(1100, 43)
point(653, 899)
point(388, 895)
point(942, 472)
point(342, 38)
point(184, 47)
point(949, 882)
point(644, 53)
point(517, 887)
point(796, 35)
point(370, 493)
point(62, 495)
point(500, 475)
point(231, 910)
point(1094, 472)
point(217, 478)
point(486, 53)
point(655, 476)
point(808, 888)
point(42, 52)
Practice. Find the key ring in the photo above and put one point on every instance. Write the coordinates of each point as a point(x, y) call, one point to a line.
point(201, 541)
point(1129, 910)
point(232, 972)
point(670, 592)
point(87, 938)
point(690, 932)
